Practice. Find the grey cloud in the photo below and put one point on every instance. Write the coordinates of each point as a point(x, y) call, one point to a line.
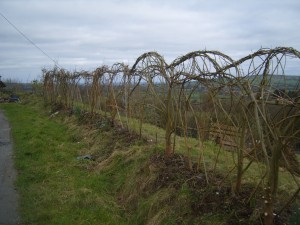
point(83, 34)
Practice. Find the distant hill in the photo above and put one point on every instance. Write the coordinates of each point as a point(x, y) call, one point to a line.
point(285, 82)
point(27, 87)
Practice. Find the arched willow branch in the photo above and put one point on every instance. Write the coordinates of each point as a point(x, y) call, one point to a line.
point(200, 93)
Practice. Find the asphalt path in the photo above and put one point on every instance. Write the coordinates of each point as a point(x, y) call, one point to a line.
point(8, 193)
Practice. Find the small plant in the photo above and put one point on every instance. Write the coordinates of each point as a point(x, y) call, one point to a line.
point(77, 111)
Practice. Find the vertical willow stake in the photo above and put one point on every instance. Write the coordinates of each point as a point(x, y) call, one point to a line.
point(169, 122)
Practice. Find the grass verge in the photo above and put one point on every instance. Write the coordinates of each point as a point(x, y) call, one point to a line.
point(55, 187)
point(124, 184)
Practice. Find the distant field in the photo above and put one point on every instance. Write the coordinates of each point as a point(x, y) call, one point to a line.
point(286, 82)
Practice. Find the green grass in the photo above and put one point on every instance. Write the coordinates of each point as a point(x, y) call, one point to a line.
point(55, 187)
point(225, 159)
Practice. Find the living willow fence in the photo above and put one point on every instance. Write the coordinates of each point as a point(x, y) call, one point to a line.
point(188, 95)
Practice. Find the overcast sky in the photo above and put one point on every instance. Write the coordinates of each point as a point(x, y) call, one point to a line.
point(82, 34)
